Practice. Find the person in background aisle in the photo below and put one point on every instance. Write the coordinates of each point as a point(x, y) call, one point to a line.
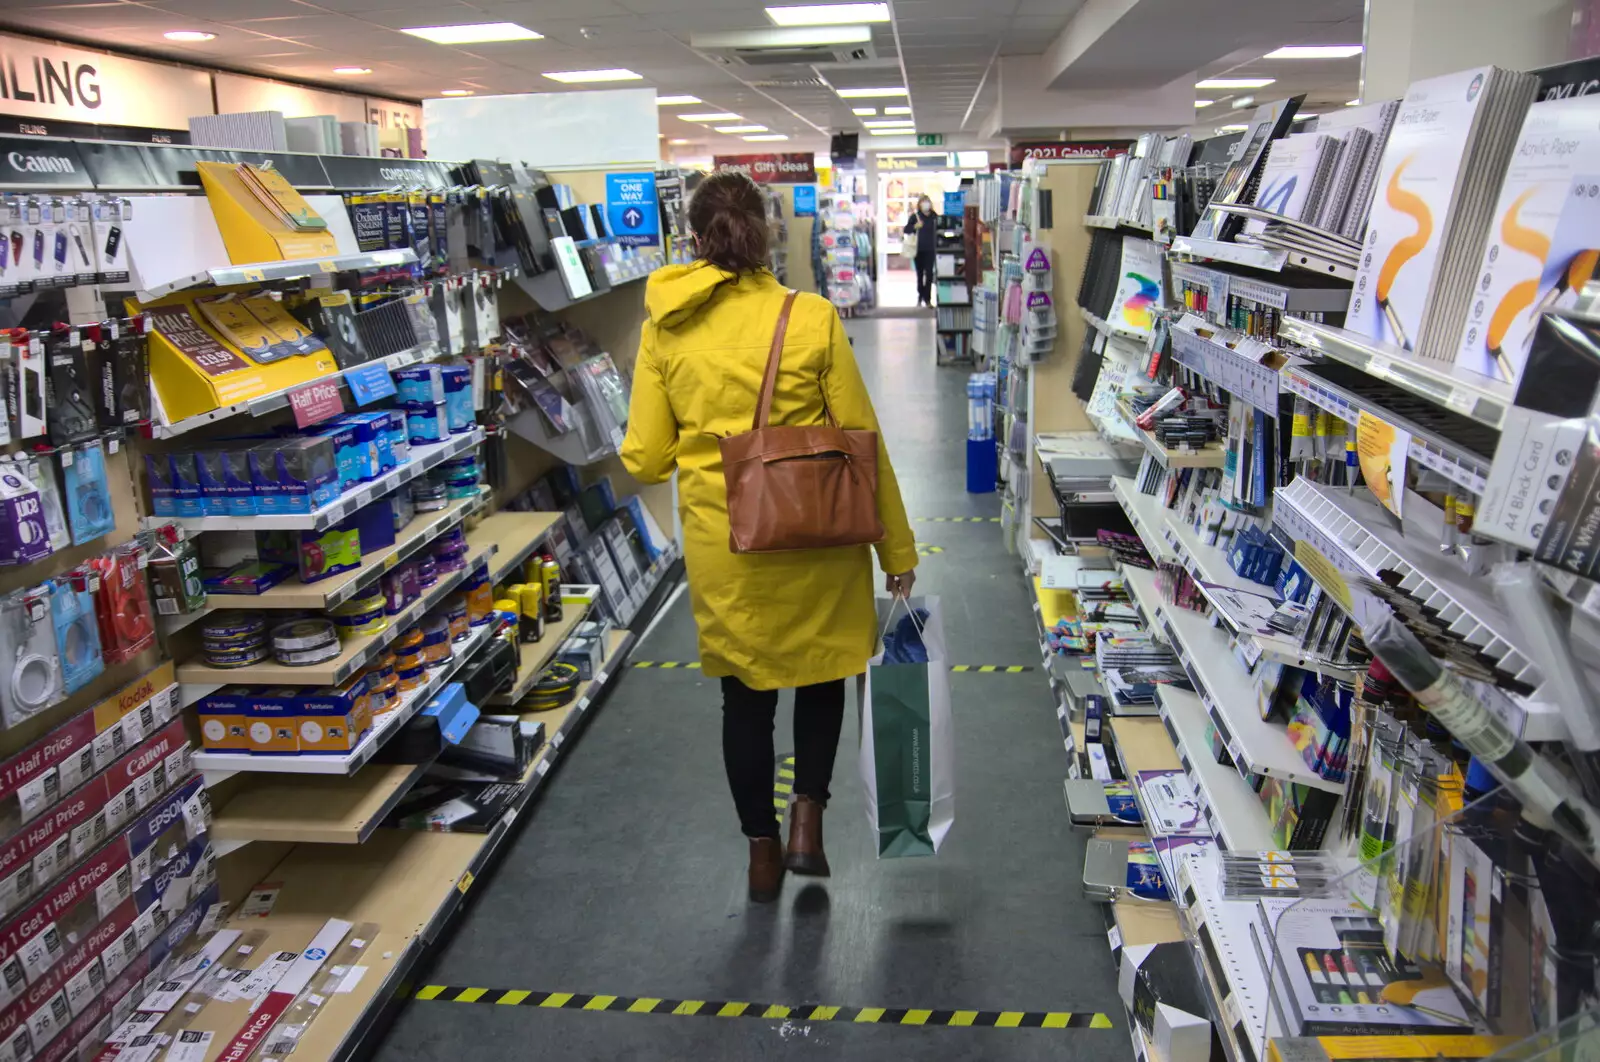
point(925, 223)
point(767, 621)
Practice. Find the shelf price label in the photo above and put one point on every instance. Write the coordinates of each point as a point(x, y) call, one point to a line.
point(316, 402)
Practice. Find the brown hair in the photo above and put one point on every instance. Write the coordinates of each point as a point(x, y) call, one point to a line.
point(729, 216)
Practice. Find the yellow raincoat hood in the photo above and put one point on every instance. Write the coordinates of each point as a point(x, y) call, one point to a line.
point(676, 293)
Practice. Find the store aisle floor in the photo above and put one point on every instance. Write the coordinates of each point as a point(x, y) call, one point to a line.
point(629, 878)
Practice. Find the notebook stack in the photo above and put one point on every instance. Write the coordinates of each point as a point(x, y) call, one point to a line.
point(1239, 181)
point(359, 138)
point(1362, 133)
point(318, 134)
point(276, 194)
point(243, 130)
point(1295, 178)
point(1437, 184)
point(1532, 262)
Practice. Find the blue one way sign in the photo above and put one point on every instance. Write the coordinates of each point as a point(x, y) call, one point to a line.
point(631, 208)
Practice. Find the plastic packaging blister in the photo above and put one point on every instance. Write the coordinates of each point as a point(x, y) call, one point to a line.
point(89, 508)
point(77, 632)
point(31, 679)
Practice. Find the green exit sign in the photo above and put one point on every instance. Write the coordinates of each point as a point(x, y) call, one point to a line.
point(930, 140)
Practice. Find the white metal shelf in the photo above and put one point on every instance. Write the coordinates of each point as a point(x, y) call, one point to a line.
point(1235, 373)
point(1140, 584)
point(1232, 809)
point(1236, 253)
point(1205, 564)
point(1481, 398)
point(1355, 534)
point(1146, 514)
point(217, 766)
point(1229, 697)
point(1459, 465)
point(291, 269)
point(422, 459)
point(1226, 932)
point(261, 404)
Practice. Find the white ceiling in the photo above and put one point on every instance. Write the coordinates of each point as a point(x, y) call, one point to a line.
point(944, 51)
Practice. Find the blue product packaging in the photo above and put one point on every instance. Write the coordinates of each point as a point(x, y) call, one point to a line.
point(213, 482)
point(158, 474)
point(353, 451)
point(77, 634)
point(89, 509)
point(307, 473)
point(238, 489)
point(419, 385)
point(426, 424)
point(266, 480)
point(184, 471)
point(394, 427)
point(453, 711)
point(374, 524)
point(378, 423)
point(458, 397)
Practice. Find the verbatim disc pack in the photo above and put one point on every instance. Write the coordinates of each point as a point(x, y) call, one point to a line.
point(30, 676)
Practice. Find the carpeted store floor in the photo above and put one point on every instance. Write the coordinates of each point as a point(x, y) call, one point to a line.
point(628, 880)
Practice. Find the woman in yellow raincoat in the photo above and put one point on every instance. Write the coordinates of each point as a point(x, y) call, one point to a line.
point(767, 621)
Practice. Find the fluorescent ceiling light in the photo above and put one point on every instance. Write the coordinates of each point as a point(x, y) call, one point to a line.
point(189, 35)
point(741, 129)
point(891, 123)
point(1241, 102)
point(869, 93)
point(913, 154)
point(1352, 103)
point(1232, 128)
point(1203, 103)
point(905, 131)
point(676, 101)
point(477, 33)
point(865, 112)
point(766, 136)
point(572, 77)
point(1331, 51)
point(1306, 117)
point(455, 92)
point(828, 14)
point(678, 142)
point(897, 110)
point(1234, 82)
point(352, 70)
point(718, 116)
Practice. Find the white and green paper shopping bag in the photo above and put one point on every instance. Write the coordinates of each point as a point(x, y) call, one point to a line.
point(907, 747)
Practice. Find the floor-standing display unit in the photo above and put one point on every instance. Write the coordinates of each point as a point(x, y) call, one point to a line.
point(316, 554)
point(1322, 672)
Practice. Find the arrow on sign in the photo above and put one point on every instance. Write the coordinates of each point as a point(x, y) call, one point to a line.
point(631, 217)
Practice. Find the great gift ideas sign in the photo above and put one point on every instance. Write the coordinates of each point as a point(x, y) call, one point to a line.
point(797, 168)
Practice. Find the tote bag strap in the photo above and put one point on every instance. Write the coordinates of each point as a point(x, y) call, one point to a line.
point(769, 382)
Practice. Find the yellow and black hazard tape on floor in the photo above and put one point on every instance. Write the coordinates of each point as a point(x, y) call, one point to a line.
point(925, 550)
point(783, 787)
point(958, 519)
point(976, 669)
point(712, 1008)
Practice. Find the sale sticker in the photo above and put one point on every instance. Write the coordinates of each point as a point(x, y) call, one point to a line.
point(316, 402)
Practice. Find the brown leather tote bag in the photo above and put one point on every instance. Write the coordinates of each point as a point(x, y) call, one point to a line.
point(799, 487)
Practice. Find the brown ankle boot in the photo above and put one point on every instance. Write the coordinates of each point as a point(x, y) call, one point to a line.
point(805, 838)
point(766, 869)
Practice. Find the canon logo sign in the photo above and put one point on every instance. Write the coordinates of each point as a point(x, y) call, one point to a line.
point(40, 163)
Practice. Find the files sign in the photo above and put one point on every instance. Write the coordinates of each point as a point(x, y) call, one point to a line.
point(631, 209)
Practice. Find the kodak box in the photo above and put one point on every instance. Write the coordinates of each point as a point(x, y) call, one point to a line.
point(273, 721)
point(333, 718)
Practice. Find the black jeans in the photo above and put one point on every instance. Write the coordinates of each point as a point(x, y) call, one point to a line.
point(925, 263)
point(748, 755)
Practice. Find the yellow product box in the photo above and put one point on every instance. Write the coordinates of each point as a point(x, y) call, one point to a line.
point(253, 231)
point(333, 718)
point(1439, 1048)
point(225, 720)
point(195, 367)
point(274, 721)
